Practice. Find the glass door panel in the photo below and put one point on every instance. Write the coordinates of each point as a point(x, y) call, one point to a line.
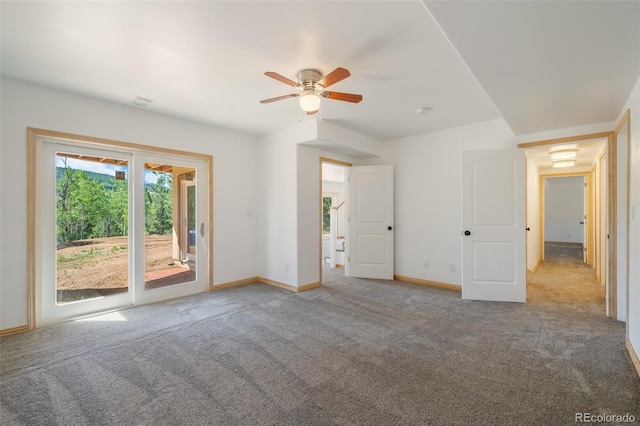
point(92, 227)
point(171, 216)
point(87, 210)
point(93, 258)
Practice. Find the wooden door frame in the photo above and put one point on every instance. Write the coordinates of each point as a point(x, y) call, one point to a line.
point(613, 141)
point(589, 218)
point(33, 136)
point(611, 201)
point(337, 163)
point(183, 205)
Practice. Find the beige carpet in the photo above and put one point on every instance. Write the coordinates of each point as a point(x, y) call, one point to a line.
point(563, 278)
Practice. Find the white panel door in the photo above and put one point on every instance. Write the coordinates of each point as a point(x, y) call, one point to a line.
point(370, 242)
point(493, 221)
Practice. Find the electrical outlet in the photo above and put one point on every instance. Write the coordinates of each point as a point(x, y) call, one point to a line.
point(452, 268)
point(426, 265)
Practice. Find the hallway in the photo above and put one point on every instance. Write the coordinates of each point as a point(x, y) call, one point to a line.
point(563, 278)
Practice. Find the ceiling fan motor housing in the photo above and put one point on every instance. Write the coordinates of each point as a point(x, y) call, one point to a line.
point(308, 79)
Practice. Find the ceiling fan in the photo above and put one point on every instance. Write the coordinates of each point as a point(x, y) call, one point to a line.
point(312, 85)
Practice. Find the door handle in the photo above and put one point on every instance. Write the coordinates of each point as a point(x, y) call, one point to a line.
point(389, 228)
point(528, 229)
point(581, 223)
point(467, 233)
point(202, 229)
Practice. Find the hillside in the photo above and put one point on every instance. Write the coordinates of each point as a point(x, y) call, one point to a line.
point(107, 180)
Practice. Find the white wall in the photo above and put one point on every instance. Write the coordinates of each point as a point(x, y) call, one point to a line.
point(633, 314)
point(564, 209)
point(309, 187)
point(289, 196)
point(309, 217)
point(533, 215)
point(235, 161)
point(428, 196)
point(277, 189)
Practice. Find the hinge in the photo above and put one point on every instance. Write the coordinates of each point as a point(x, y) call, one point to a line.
point(349, 259)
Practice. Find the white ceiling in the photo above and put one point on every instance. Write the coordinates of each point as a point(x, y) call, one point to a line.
point(548, 64)
point(204, 61)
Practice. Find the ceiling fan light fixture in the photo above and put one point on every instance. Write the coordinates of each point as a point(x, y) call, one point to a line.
point(563, 154)
point(563, 163)
point(309, 102)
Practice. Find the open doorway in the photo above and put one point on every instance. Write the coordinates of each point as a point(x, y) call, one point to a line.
point(333, 218)
point(566, 218)
point(565, 222)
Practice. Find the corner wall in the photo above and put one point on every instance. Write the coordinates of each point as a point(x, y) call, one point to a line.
point(277, 198)
point(234, 189)
point(309, 210)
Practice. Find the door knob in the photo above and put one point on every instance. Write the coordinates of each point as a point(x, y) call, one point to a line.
point(528, 229)
point(389, 228)
point(467, 233)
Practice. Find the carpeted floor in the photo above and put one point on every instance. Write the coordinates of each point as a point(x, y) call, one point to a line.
point(355, 351)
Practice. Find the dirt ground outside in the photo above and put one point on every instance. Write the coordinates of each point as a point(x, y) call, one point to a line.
point(103, 263)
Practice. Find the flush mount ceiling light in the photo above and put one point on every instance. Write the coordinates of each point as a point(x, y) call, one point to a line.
point(563, 154)
point(563, 163)
point(309, 102)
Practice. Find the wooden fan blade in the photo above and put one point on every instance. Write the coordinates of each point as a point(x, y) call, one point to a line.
point(338, 96)
point(334, 76)
point(279, 98)
point(278, 77)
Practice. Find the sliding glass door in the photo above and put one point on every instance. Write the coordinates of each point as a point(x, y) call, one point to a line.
point(174, 233)
point(118, 229)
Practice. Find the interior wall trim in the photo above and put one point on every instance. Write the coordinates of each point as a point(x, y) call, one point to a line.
point(237, 283)
point(601, 135)
point(289, 287)
point(634, 356)
point(429, 283)
point(14, 330)
point(338, 162)
point(537, 265)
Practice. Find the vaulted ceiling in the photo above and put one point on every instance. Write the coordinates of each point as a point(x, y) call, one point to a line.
point(540, 65)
